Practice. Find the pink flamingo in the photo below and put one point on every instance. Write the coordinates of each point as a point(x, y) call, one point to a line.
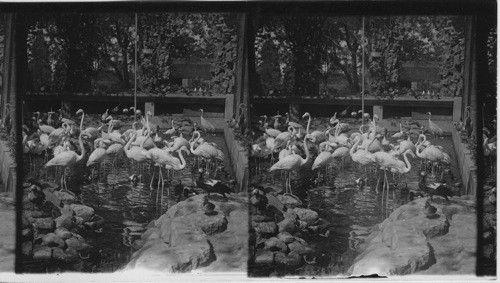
point(68, 158)
point(292, 163)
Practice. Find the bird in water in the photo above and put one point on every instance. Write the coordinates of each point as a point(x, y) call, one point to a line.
point(360, 183)
point(135, 179)
point(434, 189)
point(208, 207)
point(213, 186)
point(429, 210)
point(205, 124)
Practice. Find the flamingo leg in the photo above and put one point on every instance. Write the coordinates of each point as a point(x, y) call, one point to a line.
point(151, 184)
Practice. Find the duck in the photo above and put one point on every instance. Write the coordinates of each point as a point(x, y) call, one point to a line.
point(434, 189)
point(258, 198)
point(214, 186)
point(429, 210)
point(179, 188)
point(360, 183)
point(208, 207)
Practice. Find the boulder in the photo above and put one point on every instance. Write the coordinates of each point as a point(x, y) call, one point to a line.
point(290, 260)
point(63, 233)
point(42, 253)
point(264, 257)
point(46, 223)
point(64, 221)
point(65, 197)
point(27, 249)
point(212, 224)
point(83, 211)
point(287, 225)
point(51, 197)
point(35, 214)
point(27, 234)
point(61, 255)
point(67, 210)
point(269, 228)
point(307, 215)
point(300, 248)
point(24, 222)
point(274, 244)
point(77, 244)
point(289, 201)
point(286, 237)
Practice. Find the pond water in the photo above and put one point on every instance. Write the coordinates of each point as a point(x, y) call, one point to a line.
point(127, 209)
point(351, 212)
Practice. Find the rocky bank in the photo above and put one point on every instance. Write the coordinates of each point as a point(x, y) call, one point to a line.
point(410, 243)
point(52, 224)
point(185, 238)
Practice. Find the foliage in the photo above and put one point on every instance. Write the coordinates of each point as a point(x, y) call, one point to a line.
point(79, 46)
point(391, 41)
point(223, 38)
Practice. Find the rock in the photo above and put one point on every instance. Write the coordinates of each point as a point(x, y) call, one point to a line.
point(63, 233)
point(212, 224)
point(24, 222)
point(261, 218)
point(83, 211)
point(64, 221)
point(289, 201)
point(76, 244)
point(42, 253)
point(302, 224)
point(27, 234)
point(290, 260)
point(274, 244)
point(27, 249)
point(286, 237)
point(434, 227)
point(266, 228)
point(287, 225)
point(299, 248)
point(35, 214)
point(48, 238)
point(67, 210)
point(51, 197)
point(44, 223)
point(150, 234)
point(78, 220)
point(65, 197)
point(264, 257)
point(96, 222)
point(60, 254)
point(307, 215)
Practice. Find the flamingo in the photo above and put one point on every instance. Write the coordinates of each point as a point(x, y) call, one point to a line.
point(178, 142)
point(97, 156)
point(292, 163)
point(399, 134)
point(290, 123)
point(57, 135)
point(270, 131)
point(400, 166)
point(283, 138)
point(205, 124)
point(319, 136)
point(206, 150)
point(172, 130)
point(68, 158)
point(324, 159)
point(432, 153)
point(360, 156)
point(435, 129)
point(104, 116)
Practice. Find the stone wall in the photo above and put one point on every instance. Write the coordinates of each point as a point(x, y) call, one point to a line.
point(239, 159)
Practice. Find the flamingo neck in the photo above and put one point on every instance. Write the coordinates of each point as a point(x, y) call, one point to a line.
point(306, 148)
point(82, 153)
point(183, 161)
point(308, 124)
point(407, 162)
point(353, 149)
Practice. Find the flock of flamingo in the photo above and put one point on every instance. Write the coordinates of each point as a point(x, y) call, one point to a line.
point(369, 147)
point(141, 145)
